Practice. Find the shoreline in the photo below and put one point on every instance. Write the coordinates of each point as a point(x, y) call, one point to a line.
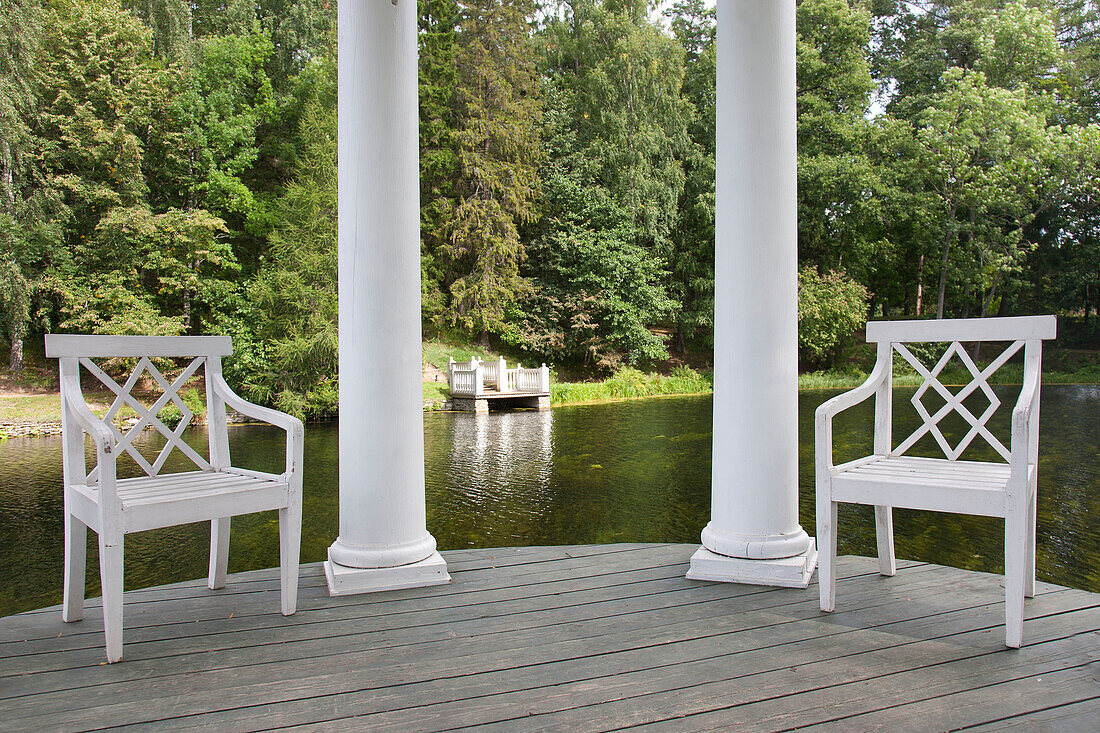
point(30, 428)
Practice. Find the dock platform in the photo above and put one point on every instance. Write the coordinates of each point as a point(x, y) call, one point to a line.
point(500, 400)
point(578, 638)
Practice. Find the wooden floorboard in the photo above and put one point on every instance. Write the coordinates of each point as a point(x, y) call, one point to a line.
point(1078, 717)
point(584, 638)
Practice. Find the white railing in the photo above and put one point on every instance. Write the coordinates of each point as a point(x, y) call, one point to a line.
point(525, 380)
point(465, 365)
point(492, 371)
point(471, 377)
point(466, 382)
point(529, 380)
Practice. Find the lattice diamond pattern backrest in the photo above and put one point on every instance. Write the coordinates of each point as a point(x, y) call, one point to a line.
point(149, 416)
point(953, 402)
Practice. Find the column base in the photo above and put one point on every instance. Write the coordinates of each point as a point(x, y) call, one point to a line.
point(345, 581)
point(786, 572)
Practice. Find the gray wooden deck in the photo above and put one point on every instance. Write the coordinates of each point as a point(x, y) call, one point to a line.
point(586, 638)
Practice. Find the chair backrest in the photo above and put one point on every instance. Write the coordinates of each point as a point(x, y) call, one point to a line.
point(1025, 332)
point(76, 351)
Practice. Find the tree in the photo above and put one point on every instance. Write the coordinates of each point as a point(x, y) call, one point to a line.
point(691, 261)
point(986, 91)
point(837, 182)
point(497, 110)
point(830, 308)
point(145, 268)
point(295, 293)
point(617, 133)
point(204, 147)
point(97, 90)
point(621, 76)
point(598, 289)
point(439, 158)
point(983, 153)
point(21, 206)
point(171, 24)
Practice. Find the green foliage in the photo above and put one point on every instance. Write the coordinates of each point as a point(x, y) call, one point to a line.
point(690, 280)
point(295, 293)
point(618, 77)
point(439, 157)
point(839, 188)
point(497, 107)
point(195, 399)
point(179, 259)
point(616, 133)
point(630, 383)
point(437, 352)
point(983, 153)
point(830, 308)
point(204, 147)
point(597, 288)
point(169, 167)
point(22, 220)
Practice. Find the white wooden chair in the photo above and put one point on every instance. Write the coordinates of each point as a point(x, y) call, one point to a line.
point(217, 491)
point(888, 478)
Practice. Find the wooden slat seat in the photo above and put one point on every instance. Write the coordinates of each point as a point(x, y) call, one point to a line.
point(963, 487)
point(194, 496)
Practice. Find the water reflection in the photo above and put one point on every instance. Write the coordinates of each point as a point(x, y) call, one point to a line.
point(490, 476)
point(624, 472)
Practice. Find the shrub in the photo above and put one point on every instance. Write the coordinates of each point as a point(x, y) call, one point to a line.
point(830, 307)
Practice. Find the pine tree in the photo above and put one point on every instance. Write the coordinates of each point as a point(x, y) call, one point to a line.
point(439, 159)
point(498, 110)
point(295, 294)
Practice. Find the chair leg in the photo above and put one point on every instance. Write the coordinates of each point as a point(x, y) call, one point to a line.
point(826, 552)
point(219, 552)
point(76, 551)
point(110, 577)
point(290, 537)
point(1029, 550)
point(1015, 567)
point(884, 533)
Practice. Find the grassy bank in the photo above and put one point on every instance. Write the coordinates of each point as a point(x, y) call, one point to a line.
point(631, 383)
point(906, 377)
point(33, 414)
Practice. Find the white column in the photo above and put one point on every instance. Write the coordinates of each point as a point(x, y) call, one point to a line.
point(383, 542)
point(754, 535)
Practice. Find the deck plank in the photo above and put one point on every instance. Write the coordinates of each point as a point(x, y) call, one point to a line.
point(569, 644)
point(1078, 717)
point(563, 638)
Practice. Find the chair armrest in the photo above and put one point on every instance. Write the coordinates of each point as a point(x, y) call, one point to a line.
point(295, 431)
point(1021, 413)
point(852, 397)
point(92, 425)
point(823, 417)
point(282, 420)
point(1021, 421)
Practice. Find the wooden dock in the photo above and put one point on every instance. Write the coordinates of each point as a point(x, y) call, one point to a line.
point(584, 638)
point(484, 401)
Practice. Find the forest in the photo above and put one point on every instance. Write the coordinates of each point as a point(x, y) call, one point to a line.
point(169, 167)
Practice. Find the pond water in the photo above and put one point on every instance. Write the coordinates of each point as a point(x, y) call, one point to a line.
point(623, 472)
